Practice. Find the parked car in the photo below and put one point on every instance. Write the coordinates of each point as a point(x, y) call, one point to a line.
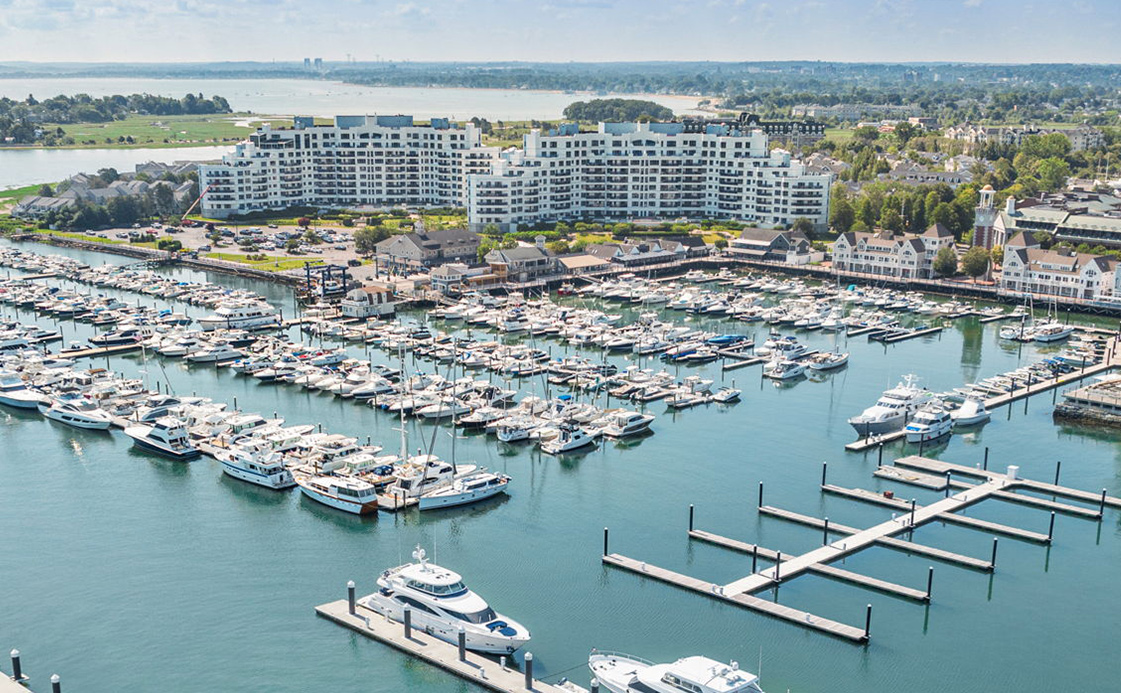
point(354, 262)
point(204, 249)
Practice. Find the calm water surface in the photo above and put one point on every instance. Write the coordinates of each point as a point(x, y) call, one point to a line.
point(127, 572)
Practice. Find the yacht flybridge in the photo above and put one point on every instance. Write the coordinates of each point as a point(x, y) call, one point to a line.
point(620, 673)
point(440, 604)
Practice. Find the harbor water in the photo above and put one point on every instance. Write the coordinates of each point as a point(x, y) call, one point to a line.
point(126, 572)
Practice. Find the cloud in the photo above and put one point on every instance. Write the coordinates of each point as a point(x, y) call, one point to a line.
point(972, 3)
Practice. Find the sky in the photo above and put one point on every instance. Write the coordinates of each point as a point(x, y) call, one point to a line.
point(1007, 31)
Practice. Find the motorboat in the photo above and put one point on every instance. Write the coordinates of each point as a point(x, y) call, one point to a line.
point(726, 395)
point(257, 464)
point(624, 423)
point(784, 369)
point(464, 490)
point(78, 412)
point(422, 474)
point(121, 337)
point(214, 353)
point(1051, 332)
point(441, 605)
point(342, 493)
point(971, 412)
point(892, 410)
point(15, 393)
point(166, 436)
point(244, 315)
point(621, 673)
point(929, 423)
point(569, 438)
point(827, 361)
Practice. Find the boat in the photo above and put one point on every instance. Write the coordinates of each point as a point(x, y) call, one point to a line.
point(827, 361)
point(571, 437)
point(971, 412)
point(726, 395)
point(258, 465)
point(166, 436)
point(215, 353)
point(121, 337)
point(784, 369)
point(78, 412)
point(15, 393)
point(469, 488)
point(441, 605)
point(892, 410)
point(622, 673)
point(930, 423)
point(1051, 332)
point(624, 423)
point(244, 315)
point(342, 493)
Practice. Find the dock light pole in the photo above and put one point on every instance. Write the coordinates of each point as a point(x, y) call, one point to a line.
point(912, 512)
point(760, 494)
point(17, 670)
point(993, 561)
point(824, 469)
point(778, 566)
point(1058, 468)
point(929, 581)
point(529, 671)
point(462, 644)
point(949, 475)
point(1051, 528)
point(350, 597)
point(986, 467)
point(1101, 507)
point(754, 557)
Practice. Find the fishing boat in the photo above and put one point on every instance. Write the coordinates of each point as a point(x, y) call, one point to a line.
point(622, 673)
point(931, 422)
point(342, 493)
point(971, 412)
point(441, 605)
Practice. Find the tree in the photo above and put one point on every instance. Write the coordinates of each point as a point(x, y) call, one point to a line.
point(486, 245)
point(975, 261)
point(45, 191)
point(904, 132)
point(292, 245)
point(841, 214)
point(866, 133)
point(108, 175)
point(310, 236)
point(366, 239)
point(997, 255)
point(171, 245)
point(804, 225)
point(491, 229)
point(164, 198)
point(891, 219)
point(303, 222)
point(1052, 173)
point(560, 247)
point(946, 262)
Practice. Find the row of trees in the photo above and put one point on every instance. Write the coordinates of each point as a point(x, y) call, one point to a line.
point(126, 210)
point(616, 111)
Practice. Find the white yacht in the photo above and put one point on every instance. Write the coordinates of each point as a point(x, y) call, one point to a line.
point(784, 369)
point(258, 465)
point(342, 493)
point(441, 605)
point(1052, 332)
point(78, 412)
point(971, 412)
point(892, 410)
point(625, 423)
point(827, 360)
point(214, 353)
point(929, 423)
point(621, 673)
point(469, 488)
point(423, 474)
point(727, 395)
point(244, 315)
point(570, 438)
point(15, 393)
point(166, 436)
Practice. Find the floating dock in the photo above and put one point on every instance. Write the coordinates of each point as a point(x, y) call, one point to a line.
point(475, 668)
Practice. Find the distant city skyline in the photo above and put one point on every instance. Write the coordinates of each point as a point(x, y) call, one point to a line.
point(999, 31)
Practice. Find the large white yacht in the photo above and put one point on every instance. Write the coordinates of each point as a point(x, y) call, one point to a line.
point(344, 493)
point(441, 604)
point(258, 465)
point(929, 423)
point(620, 673)
point(78, 412)
point(892, 410)
point(625, 423)
point(464, 490)
point(166, 436)
point(244, 315)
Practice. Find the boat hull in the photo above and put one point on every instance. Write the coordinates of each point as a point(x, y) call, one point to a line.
point(78, 422)
point(19, 402)
point(182, 456)
point(339, 504)
point(874, 428)
point(476, 641)
point(274, 482)
point(451, 500)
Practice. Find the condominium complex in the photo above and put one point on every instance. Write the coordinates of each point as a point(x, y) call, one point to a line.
point(621, 171)
point(1061, 272)
point(378, 161)
point(647, 170)
point(887, 254)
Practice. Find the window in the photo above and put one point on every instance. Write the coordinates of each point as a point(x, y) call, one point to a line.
point(485, 616)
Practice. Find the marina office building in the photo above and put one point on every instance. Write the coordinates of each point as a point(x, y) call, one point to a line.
point(621, 171)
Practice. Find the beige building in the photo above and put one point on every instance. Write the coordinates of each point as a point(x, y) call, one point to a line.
point(898, 255)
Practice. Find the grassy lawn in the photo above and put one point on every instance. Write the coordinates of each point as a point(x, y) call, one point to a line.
point(83, 237)
point(14, 194)
point(594, 238)
point(839, 134)
point(271, 263)
point(166, 131)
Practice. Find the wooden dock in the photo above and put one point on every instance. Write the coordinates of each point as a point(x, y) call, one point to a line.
point(475, 668)
point(910, 334)
point(94, 352)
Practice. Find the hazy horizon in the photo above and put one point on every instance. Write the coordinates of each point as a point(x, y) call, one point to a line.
point(582, 31)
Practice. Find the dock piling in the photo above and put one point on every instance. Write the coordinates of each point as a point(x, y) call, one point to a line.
point(929, 581)
point(594, 686)
point(824, 469)
point(690, 518)
point(1051, 528)
point(350, 597)
point(949, 474)
point(868, 622)
point(529, 671)
point(912, 512)
point(17, 670)
point(825, 533)
point(604, 541)
point(462, 644)
point(992, 562)
point(880, 459)
point(1058, 468)
point(754, 558)
point(56, 684)
point(986, 465)
point(778, 566)
point(1101, 506)
point(760, 494)
point(408, 621)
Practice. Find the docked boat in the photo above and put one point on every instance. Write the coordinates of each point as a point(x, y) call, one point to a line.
point(971, 412)
point(441, 605)
point(258, 465)
point(622, 424)
point(1051, 332)
point(892, 410)
point(166, 436)
point(784, 369)
point(827, 361)
point(247, 315)
point(78, 412)
point(570, 437)
point(121, 337)
point(15, 393)
point(214, 353)
point(621, 673)
point(342, 493)
point(929, 423)
point(726, 395)
point(469, 488)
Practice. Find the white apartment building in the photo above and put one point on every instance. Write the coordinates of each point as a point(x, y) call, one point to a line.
point(1028, 268)
point(377, 161)
point(647, 170)
point(899, 255)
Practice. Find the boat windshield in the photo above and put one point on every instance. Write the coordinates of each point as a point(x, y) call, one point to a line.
point(438, 590)
point(485, 616)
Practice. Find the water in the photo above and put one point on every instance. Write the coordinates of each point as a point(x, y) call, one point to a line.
point(325, 99)
point(127, 572)
point(19, 167)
